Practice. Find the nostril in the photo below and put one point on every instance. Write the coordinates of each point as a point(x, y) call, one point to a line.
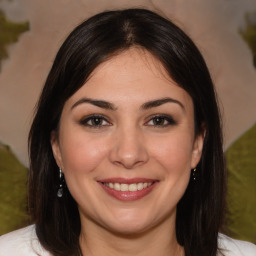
point(128, 151)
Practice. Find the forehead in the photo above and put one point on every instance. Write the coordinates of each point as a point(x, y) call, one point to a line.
point(132, 64)
point(133, 75)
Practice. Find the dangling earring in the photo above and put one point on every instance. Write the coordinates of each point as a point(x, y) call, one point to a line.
point(61, 183)
point(194, 174)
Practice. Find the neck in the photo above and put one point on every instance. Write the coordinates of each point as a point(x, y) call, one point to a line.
point(159, 241)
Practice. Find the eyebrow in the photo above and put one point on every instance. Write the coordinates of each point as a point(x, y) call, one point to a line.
point(159, 102)
point(110, 106)
point(98, 103)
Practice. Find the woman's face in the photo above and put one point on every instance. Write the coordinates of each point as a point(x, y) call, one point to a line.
point(127, 144)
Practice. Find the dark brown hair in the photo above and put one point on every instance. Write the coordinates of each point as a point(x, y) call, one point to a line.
point(200, 211)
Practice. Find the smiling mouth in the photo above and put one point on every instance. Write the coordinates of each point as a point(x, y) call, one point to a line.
point(128, 187)
point(128, 190)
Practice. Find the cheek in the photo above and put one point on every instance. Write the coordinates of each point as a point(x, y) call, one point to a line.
point(81, 153)
point(174, 153)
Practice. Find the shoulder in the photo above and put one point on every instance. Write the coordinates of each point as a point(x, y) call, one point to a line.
point(232, 247)
point(22, 242)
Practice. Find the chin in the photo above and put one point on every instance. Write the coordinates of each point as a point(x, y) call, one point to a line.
point(129, 230)
point(130, 226)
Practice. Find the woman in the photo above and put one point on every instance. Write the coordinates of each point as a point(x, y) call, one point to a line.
point(126, 147)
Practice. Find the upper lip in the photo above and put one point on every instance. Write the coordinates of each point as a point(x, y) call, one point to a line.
point(126, 181)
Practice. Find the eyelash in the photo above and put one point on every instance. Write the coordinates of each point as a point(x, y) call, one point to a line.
point(88, 119)
point(168, 120)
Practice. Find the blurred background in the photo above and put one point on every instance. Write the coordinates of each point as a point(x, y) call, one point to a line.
point(31, 31)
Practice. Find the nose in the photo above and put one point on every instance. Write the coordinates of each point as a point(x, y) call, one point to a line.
point(129, 149)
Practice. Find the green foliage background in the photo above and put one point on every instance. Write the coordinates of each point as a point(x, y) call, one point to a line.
point(249, 33)
point(241, 164)
point(13, 174)
point(9, 33)
point(13, 179)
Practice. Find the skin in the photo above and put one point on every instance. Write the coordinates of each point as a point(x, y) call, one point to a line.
point(129, 142)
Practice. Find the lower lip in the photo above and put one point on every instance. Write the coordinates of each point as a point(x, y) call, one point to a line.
point(128, 195)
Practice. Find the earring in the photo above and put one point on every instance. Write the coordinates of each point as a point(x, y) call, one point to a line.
point(194, 174)
point(61, 184)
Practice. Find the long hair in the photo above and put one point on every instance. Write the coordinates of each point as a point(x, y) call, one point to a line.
point(200, 211)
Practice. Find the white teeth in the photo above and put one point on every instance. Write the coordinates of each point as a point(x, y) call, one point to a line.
point(124, 187)
point(128, 187)
point(140, 186)
point(133, 187)
point(116, 186)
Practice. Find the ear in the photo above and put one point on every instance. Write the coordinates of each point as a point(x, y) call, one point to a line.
point(56, 149)
point(197, 148)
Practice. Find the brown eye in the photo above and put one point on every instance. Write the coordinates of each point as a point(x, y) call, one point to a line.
point(161, 121)
point(95, 122)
